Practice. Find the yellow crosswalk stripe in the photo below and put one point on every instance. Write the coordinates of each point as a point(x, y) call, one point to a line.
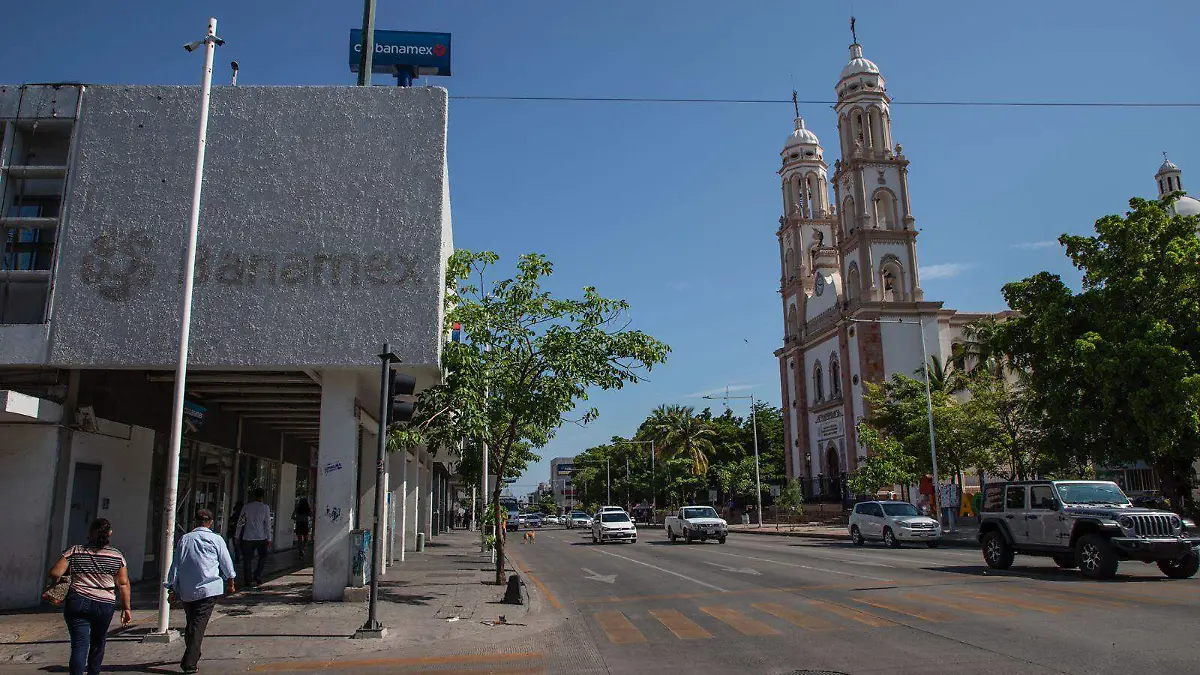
point(740, 622)
point(852, 614)
point(1077, 599)
point(961, 605)
point(908, 610)
point(793, 617)
point(618, 628)
point(683, 627)
point(1010, 600)
point(1069, 589)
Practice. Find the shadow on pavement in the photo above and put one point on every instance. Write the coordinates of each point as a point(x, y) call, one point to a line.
point(1041, 574)
point(168, 667)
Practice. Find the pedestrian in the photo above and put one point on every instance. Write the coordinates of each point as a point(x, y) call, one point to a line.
point(302, 516)
point(200, 572)
point(97, 574)
point(231, 530)
point(254, 537)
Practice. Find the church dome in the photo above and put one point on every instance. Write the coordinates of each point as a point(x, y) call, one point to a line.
point(1186, 206)
point(801, 136)
point(858, 65)
point(1167, 165)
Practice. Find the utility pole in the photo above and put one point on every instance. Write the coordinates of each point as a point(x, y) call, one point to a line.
point(607, 482)
point(754, 427)
point(210, 43)
point(367, 55)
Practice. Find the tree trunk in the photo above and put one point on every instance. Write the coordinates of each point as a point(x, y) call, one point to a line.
point(501, 535)
point(1173, 478)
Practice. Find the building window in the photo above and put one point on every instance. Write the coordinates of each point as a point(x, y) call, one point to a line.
point(818, 384)
point(28, 249)
point(835, 378)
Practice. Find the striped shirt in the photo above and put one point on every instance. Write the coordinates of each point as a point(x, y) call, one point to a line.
point(94, 571)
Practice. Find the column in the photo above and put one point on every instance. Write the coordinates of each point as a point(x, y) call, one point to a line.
point(285, 533)
point(385, 523)
point(418, 513)
point(337, 459)
point(366, 479)
point(402, 461)
point(427, 488)
point(434, 502)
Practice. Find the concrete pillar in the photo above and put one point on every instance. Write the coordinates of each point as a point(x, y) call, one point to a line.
point(285, 531)
point(408, 489)
point(366, 479)
point(418, 512)
point(386, 523)
point(435, 478)
point(427, 488)
point(337, 461)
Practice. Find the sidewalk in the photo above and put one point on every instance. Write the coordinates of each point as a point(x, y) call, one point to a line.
point(443, 594)
point(965, 537)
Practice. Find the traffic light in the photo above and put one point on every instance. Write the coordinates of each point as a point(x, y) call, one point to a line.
point(397, 410)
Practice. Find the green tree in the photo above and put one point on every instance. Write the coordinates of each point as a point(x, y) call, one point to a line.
point(885, 465)
point(547, 504)
point(678, 432)
point(791, 497)
point(1113, 371)
point(528, 360)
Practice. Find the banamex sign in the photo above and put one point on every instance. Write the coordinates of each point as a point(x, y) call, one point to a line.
point(830, 424)
point(429, 53)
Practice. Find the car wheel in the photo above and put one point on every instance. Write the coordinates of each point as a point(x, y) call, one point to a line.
point(1066, 561)
point(996, 552)
point(720, 540)
point(856, 536)
point(687, 536)
point(671, 535)
point(932, 544)
point(889, 538)
point(594, 540)
point(1184, 568)
point(1096, 557)
point(633, 541)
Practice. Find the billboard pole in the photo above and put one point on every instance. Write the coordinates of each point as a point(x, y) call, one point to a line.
point(368, 44)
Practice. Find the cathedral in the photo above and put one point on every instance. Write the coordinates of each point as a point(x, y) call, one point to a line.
point(853, 306)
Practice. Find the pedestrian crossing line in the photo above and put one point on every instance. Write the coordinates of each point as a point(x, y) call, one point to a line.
point(852, 614)
point(793, 617)
point(1011, 601)
point(931, 615)
point(1086, 601)
point(618, 628)
point(683, 627)
point(1123, 597)
point(738, 621)
point(961, 605)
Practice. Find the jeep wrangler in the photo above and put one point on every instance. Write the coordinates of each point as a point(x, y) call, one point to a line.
point(1086, 524)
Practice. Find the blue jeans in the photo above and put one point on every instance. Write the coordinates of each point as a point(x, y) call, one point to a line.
point(87, 621)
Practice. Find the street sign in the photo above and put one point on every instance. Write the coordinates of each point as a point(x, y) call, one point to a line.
point(774, 490)
point(429, 53)
point(712, 495)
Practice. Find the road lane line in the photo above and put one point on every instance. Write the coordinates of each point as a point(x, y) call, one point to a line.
point(618, 628)
point(1074, 588)
point(1077, 599)
point(805, 567)
point(285, 666)
point(738, 621)
point(1009, 600)
point(793, 617)
point(852, 614)
point(683, 627)
point(961, 605)
point(541, 587)
point(917, 612)
point(663, 569)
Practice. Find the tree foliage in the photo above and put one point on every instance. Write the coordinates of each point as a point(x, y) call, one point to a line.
point(886, 464)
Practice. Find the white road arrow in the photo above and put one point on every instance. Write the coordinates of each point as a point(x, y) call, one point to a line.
point(740, 570)
point(606, 578)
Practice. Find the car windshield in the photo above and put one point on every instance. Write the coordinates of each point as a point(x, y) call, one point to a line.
point(579, 514)
point(900, 510)
point(699, 512)
point(614, 517)
point(1091, 493)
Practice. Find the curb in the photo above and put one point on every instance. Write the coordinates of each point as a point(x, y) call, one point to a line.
point(828, 536)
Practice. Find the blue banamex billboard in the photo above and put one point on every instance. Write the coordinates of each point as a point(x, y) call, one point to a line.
point(429, 53)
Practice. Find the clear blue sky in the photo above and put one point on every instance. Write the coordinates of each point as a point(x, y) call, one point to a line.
point(674, 207)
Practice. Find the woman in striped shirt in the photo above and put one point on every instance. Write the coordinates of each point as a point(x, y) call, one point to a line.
point(97, 572)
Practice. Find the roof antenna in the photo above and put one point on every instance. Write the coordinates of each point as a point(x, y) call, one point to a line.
point(234, 66)
point(852, 31)
point(795, 103)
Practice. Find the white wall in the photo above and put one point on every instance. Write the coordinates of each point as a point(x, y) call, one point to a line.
point(796, 453)
point(285, 533)
point(124, 454)
point(27, 456)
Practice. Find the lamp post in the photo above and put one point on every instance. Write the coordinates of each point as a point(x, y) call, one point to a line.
point(210, 43)
point(653, 494)
point(754, 426)
point(928, 391)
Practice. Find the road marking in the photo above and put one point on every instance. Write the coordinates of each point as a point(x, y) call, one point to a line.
point(852, 614)
point(1009, 600)
point(974, 607)
point(908, 610)
point(618, 628)
point(805, 567)
point(662, 569)
point(683, 627)
point(285, 666)
point(1077, 599)
point(740, 570)
point(1074, 588)
point(738, 621)
point(596, 576)
point(705, 594)
point(793, 617)
point(541, 587)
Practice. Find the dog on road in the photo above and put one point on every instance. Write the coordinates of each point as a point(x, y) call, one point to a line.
point(530, 537)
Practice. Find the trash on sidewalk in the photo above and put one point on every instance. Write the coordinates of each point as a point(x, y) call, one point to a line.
point(500, 621)
point(452, 619)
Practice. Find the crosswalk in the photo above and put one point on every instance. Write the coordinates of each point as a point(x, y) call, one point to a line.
point(707, 618)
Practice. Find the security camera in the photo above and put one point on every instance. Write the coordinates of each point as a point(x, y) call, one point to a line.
point(218, 41)
point(193, 46)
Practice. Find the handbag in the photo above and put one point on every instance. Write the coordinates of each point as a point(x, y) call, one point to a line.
point(56, 593)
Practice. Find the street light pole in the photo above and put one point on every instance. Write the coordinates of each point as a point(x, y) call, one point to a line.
point(754, 427)
point(210, 42)
point(607, 482)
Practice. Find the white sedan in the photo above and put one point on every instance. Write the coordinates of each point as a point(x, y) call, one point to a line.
point(893, 523)
point(613, 526)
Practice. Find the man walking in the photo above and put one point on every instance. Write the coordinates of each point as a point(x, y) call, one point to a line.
point(254, 536)
point(200, 572)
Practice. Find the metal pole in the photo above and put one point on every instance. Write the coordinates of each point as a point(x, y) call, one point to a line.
point(607, 482)
point(367, 54)
point(185, 324)
point(403, 501)
point(483, 501)
point(385, 366)
point(653, 494)
point(929, 407)
point(757, 483)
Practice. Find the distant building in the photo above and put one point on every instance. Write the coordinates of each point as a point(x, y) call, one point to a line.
point(561, 470)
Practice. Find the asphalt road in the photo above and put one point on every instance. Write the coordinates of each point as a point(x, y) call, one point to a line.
point(779, 605)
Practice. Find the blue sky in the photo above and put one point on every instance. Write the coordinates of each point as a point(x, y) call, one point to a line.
point(674, 207)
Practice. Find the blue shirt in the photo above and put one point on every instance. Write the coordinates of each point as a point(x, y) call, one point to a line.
point(200, 567)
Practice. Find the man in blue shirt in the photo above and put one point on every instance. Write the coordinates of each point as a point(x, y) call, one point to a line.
point(200, 572)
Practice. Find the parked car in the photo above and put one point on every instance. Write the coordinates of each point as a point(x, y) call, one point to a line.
point(550, 519)
point(696, 522)
point(606, 509)
point(613, 526)
point(579, 519)
point(893, 523)
point(533, 520)
point(1086, 524)
point(513, 522)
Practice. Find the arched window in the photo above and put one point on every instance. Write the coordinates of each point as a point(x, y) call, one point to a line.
point(860, 129)
point(818, 383)
point(853, 284)
point(847, 135)
point(814, 201)
point(884, 204)
point(789, 264)
point(848, 215)
point(793, 322)
point(835, 377)
point(877, 143)
point(891, 280)
point(1161, 189)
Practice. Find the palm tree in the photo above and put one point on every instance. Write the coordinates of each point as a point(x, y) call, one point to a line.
point(981, 344)
point(944, 378)
point(677, 432)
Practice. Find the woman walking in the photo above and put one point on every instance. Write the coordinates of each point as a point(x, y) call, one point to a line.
point(97, 574)
point(303, 518)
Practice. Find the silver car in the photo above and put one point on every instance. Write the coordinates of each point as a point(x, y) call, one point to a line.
point(892, 523)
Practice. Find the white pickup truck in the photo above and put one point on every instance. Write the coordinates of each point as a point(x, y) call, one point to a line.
point(696, 522)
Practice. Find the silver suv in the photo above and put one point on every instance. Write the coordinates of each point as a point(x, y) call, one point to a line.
point(1086, 524)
